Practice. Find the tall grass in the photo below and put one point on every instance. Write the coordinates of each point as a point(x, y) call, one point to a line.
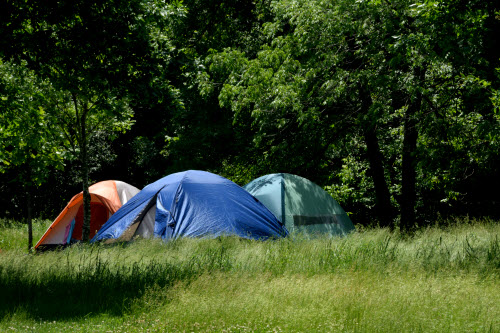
point(14, 234)
point(440, 279)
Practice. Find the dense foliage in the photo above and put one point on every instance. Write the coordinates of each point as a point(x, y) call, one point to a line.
point(391, 106)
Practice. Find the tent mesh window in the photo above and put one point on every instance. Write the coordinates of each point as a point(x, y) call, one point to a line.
point(303, 220)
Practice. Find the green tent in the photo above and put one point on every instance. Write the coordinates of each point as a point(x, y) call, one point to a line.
point(300, 205)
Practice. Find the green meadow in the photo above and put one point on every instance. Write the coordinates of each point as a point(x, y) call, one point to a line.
point(441, 279)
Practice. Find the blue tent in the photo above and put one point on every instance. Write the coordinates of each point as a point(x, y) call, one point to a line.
point(192, 204)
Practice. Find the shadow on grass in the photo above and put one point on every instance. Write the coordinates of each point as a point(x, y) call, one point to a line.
point(65, 290)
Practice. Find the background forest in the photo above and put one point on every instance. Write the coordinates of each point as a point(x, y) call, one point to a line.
point(391, 106)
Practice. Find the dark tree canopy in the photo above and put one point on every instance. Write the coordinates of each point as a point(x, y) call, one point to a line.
point(391, 106)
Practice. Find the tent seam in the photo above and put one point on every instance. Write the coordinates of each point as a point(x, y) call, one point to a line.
point(172, 211)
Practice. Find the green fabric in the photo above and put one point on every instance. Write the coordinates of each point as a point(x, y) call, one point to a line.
point(301, 205)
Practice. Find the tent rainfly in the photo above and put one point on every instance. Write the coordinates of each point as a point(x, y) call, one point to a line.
point(300, 205)
point(191, 204)
point(106, 198)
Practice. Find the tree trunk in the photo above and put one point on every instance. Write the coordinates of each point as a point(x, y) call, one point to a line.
point(27, 188)
point(408, 184)
point(29, 219)
point(85, 178)
point(86, 198)
point(383, 206)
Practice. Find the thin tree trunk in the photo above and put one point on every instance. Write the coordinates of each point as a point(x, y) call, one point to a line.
point(85, 178)
point(29, 219)
point(81, 128)
point(383, 206)
point(86, 197)
point(27, 188)
point(408, 184)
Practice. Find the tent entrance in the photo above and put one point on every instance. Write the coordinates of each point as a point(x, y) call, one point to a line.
point(99, 216)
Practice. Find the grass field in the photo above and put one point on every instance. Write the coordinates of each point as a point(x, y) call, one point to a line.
point(442, 279)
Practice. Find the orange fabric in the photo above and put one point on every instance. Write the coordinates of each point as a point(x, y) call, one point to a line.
point(99, 214)
point(107, 189)
point(104, 191)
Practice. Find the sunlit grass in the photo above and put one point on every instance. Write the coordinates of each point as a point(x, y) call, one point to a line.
point(350, 301)
point(14, 235)
point(439, 280)
point(344, 302)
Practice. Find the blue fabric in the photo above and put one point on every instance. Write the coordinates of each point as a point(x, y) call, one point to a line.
point(125, 216)
point(197, 204)
point(68, 240)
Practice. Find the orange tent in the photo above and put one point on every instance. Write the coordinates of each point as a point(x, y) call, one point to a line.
point(106, 198)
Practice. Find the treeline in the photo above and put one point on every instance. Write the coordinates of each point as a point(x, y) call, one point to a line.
point(391, 106)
